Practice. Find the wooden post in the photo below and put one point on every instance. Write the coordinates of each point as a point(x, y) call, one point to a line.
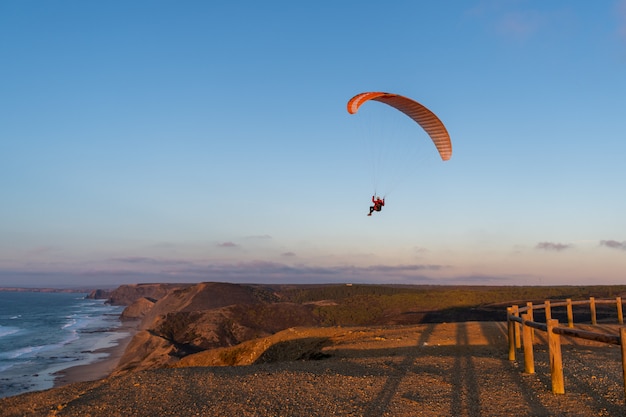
point(548, 311)
point(511, 328)
point(570, 313)
point(518, 341)
point(529, 305)
point(620, 313)
point(622, 337)
point(592, 307)
point(529, 359)
point(556, 360)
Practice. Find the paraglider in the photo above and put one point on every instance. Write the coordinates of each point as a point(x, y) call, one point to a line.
point(378, 204)
point(418, 113)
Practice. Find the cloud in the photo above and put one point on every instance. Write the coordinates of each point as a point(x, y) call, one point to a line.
point(94, 278)
point(135, 260)
point(550, 246)
point(262, 272)
point(613, 244)
point(164, 245)
point(41, 250)
point(509, 20)
point(258, 271)
point(288, 254)
point(403, 268)
point(522, 21)
point(137, 269)
point(227, 245)
point(479, 280)
point(144, 260)
point(520, 24)
point(276, 272)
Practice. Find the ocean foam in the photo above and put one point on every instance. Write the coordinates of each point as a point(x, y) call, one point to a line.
point(6, 330)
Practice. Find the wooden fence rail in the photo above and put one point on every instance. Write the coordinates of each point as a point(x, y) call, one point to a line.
point(521, 327)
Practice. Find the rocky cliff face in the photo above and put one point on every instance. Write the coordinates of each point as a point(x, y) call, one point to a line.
point(138, 309)
point(127, 294)
point(99, 295)
point(193, 318)
point(203, 297)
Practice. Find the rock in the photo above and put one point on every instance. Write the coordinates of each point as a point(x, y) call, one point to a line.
point(138, 309)
point(145, 351)
point(99, 295)
point(127, 294)
point(205, 316)
point(204, 296)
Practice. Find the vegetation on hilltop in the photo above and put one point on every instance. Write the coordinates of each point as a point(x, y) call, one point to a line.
point(377, 304)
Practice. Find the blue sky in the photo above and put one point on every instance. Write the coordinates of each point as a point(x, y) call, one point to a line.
point(152, 141)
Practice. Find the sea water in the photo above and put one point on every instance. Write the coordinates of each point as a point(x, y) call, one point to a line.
point(43, 333)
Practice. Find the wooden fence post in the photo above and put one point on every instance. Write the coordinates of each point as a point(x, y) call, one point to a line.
point(570, 313)
point(511, 328)
point(548, 310)
point(620, 313)
point(518, 341)
point(531, 317)
point(556, 360)
point(529, 359)
point(622, 339)
point(592, 307)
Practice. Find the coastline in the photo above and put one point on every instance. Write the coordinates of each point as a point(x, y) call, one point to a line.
point(99, 369)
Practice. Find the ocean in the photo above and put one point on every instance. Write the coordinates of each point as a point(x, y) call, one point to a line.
point(43, 333)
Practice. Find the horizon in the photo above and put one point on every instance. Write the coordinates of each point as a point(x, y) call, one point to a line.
point(109, 288)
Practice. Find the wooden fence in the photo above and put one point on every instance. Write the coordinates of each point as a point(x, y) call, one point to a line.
point(521, 327)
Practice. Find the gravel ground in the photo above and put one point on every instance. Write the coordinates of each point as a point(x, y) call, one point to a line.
point(456, 369)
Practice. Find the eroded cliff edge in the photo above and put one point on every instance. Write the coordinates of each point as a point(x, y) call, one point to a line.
point(179, 320)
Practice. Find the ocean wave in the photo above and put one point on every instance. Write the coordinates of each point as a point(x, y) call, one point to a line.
point(6, 367)
point(70, 323)
point(92, 322)
point(28, 351)
point(54, 331)
point(7, 330)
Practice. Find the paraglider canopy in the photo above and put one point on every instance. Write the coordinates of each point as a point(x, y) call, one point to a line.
point(420, 114)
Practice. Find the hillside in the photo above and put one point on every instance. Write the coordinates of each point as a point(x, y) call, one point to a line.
point(177, 321)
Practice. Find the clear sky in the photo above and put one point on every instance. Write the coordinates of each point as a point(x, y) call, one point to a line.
point(162, 141)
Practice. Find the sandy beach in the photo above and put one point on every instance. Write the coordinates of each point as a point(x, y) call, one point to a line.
point(103, 368)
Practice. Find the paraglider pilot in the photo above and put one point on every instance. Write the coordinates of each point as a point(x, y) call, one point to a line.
point(378, 204)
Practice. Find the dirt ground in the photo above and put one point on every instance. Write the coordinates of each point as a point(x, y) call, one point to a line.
point(449, 369)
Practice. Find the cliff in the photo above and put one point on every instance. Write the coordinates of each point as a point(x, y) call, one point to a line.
point(99, 295)
point(127, 294)
point(199, 297)
point(138, 309)
point(195, 318)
